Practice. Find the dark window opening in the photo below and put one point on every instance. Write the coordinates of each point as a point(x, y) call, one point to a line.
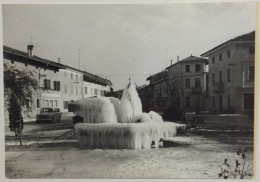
point(187, 68)
point(197, 67)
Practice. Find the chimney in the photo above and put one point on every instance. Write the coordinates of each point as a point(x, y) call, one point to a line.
point(177, 58)
point(58, 60)
point(30, 49)
point(171, 61)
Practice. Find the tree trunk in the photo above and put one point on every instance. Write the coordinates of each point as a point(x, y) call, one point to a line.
point(20, 128)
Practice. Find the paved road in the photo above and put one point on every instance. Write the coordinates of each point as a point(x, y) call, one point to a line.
point(32, 125)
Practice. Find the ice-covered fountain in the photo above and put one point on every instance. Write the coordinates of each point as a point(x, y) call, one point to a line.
point(112, 123)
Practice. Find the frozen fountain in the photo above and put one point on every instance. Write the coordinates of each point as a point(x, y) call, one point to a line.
point(112, 123)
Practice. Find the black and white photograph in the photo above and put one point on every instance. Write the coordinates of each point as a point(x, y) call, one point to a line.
point(130, 90)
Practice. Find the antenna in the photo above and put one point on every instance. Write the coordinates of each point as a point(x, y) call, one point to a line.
point(79, 58)
point(31, 39)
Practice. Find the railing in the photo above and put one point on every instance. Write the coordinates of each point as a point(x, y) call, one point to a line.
point(218, 87)
point(196, 90)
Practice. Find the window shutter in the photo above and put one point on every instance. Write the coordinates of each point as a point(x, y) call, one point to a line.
point(45, 83)
point(54, 85)
point(57, 85)
point(48, 84)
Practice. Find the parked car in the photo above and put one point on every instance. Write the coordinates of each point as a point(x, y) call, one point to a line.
point(49, 114)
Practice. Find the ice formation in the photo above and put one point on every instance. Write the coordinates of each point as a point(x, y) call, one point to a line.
point(110, 123)
point(131, 105)
point(95, 110)
point(116, 103)
point(124, 135)
point(155, 116)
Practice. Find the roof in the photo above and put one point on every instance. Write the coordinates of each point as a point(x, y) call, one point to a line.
point(142, 86)
point(190, 59)
point(10, 53)
point(242, 38)
point(156, 74)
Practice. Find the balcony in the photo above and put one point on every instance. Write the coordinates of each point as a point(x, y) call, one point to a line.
point(218, 87)
point(174, 91)
point(196, 90)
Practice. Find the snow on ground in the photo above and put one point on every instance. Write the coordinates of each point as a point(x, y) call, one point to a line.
point(193, 157)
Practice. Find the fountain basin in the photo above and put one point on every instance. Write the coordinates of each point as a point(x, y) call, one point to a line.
point(124, 135)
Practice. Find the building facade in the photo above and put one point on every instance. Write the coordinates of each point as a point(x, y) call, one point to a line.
point(231, 75)
point(58, 84)
point(159, 91)
point(144, 94)
point(188, 84)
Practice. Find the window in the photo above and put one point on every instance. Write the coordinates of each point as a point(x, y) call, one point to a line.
point(228, 75)
point(213, 60)
point(47, 103)
point(86, 90)
point(76, 90)
point(251, 73)
point(228, 54)
point(213, 78)
point(220, 76)
point(71, 76)
point(72, 89)
point(187, 83)
point(55, 103)
point(248, 101)
point(27, 103)
point(47, 84)
point(54, 85)
point(76, 77)
point(51, 103)
point(252, 50)
point(197, 83)
point(187, 101)
point(197, 67)
point(187, 68)
point(95, 91)
point(228, 100)
point(220, 57)
point(213, 101)
point(65, 74)
point(38, 103)
point(91, 91)
point(65, 104)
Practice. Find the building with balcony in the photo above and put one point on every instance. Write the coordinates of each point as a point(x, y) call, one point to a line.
point(144, 94)
point(188, 83)
point(158, 91)
point(231, 75)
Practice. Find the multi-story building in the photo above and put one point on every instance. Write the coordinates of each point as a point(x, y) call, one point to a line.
point(95, 85)
point(188, 83)
point(44, 71)
point(58, 83)
point(231, 75)
point(159, 91)
point(144, 94)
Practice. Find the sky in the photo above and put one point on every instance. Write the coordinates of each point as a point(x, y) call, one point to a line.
point(124, 41)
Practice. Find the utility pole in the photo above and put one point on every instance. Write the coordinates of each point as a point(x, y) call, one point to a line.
point(166, 57)
point(79, 58)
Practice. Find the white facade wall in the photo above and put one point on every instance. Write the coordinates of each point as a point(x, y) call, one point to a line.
point(93, 89)
point(71, 87)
